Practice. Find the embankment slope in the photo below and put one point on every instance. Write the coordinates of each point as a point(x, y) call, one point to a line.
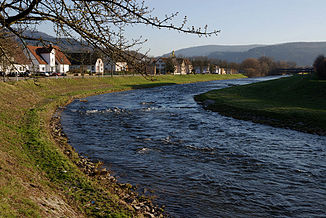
point(297, 102)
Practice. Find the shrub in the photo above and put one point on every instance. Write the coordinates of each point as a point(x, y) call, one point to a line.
point(320, 67)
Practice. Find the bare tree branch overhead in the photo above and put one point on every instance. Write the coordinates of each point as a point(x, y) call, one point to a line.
point(97, 23)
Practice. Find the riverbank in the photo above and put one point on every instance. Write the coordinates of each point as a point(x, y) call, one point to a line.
point(40, 174)
point(296, 102)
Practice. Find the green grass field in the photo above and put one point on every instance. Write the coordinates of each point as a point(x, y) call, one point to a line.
point(297, 102)
point(37, 179)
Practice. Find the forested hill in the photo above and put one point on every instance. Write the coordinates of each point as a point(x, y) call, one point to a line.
point(303, 53)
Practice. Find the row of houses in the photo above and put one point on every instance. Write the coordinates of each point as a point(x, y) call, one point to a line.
point(214, 70)
point(51, 59)
point(181, 66)
point(176, 66)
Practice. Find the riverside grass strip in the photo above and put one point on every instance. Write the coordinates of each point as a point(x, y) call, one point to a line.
point(296, 102)
point(36, 178)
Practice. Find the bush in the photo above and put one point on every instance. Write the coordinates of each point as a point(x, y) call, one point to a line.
point(320, 67)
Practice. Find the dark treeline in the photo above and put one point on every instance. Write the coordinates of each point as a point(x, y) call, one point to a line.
point(320, 67)
point(251, 67)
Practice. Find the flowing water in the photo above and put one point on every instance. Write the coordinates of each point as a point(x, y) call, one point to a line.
point(199, 163)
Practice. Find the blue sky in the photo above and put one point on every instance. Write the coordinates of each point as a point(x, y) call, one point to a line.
point(240, 22)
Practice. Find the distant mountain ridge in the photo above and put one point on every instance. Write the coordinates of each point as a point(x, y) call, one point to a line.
point(206, 50)
point(303, 53)
point(66, 44)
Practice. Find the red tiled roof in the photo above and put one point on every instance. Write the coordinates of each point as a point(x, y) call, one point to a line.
point(38, 50)
point(60, 57)
point(35, 52)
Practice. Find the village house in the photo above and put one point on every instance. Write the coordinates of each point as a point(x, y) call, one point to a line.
point(218, 70)
point(202, 69)
point(14, 66)
point(231, 71)
point(15, 62)
point(160, 66)
point(189, 67)
point(86, 62)
point(94, 63)
point(117, 66)
point(47, 59)
point(181, 66)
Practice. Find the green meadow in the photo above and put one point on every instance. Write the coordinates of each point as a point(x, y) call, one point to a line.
point(296, 102)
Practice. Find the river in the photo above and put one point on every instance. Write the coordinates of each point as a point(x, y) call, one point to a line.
point(199, 163)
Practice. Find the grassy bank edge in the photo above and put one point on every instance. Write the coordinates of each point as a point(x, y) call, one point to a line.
point(49, 169)
point(296, 102)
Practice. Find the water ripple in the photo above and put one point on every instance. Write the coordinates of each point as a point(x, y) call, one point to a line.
point(201, 164)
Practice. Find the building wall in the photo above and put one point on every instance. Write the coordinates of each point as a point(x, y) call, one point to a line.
point(42, 68)
point(183, 69)
point(99, 66)
point(20, 68)
point(50, 59)
point(121, 66)
point(62, 68)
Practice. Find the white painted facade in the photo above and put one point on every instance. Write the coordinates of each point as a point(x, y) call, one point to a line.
point(19, 68)
point(117, 66)
point(50, 59)
point(62, 68)
point(180, 69)
point(42, 68)
point(99, 66)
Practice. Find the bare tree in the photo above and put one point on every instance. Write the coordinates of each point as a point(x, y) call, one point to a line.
point(97, 23)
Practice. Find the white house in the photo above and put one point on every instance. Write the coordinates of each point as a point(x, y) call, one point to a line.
point(14, 67)
point(181, 66)
point(218, 70)
point(47, 59)
point(86, 63)
point(14, 61)
point(99, 66)
point(116, 66)
point(160, 66)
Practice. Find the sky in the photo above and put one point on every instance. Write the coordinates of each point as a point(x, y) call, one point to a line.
point(241, 22)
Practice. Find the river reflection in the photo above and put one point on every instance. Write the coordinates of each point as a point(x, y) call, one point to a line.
point(198, 163)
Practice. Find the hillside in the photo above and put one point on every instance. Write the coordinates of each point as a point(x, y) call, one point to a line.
point(66, 44)
point(303, 53)
point(208, 49)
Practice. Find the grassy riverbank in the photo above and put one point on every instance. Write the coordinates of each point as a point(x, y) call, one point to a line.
point(38, 172)
point(297, 102)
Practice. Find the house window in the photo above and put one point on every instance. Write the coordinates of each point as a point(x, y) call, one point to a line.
point(43, 68)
